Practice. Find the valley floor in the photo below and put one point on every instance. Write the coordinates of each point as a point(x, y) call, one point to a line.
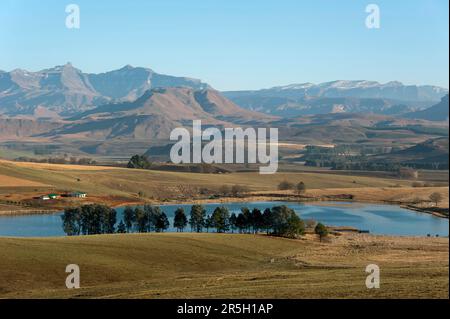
point(187, 265)
point(21, 184)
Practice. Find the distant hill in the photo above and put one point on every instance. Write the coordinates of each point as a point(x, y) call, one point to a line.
point(438, 112)
point(67, 90)
point(429, 154)
point(156, 113)
point(392, 98)
point(127, 128)
point(338, 128)
point(431, 148)
point(290, 107)
point(13, 129)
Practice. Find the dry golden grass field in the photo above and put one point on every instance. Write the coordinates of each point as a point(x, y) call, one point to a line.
point(119, 186)
point(8, 181)
point(187, 265)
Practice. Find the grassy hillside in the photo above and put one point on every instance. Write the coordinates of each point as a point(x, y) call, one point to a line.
point(22, 183)
point(185, 265)
point(129, 182)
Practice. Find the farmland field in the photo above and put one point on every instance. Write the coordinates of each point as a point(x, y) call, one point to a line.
point(119, 186)
point(186, 265)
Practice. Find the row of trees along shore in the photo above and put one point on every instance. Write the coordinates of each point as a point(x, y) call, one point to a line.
point(100, 219)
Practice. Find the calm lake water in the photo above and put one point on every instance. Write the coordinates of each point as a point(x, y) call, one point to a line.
point(378, 219)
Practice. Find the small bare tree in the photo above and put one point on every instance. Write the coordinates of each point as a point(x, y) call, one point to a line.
point(436, 198)
point(300, 188)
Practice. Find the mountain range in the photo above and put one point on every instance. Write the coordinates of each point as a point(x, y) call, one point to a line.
point(65, 91)
point(392, 98)
point(91, 112)
point(362, 89)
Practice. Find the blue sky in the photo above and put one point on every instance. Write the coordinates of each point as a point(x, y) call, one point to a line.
point(234, 44)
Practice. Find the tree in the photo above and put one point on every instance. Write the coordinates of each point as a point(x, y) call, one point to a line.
point(436, 198)
point(301, 188)
point(197, 220)
point(256, 220)
point(321, 230)
point(97, 219)
point(71, 221)
point(295, 226)
point(180, 219)
point(141, 220)
point(285, 185)
point(89, 220)
point(267, 220)
point(208, 223)
point(162, 223)
point(240, 222)
point(109, 219)
point(246, 218)
point(121, 228)
point(221, 219)
point(286, 223)
point(129, 217)
point(139, 161)
point(233, 219)
point(153, 214)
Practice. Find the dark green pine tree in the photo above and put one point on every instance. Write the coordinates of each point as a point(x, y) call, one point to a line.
point(121, 228)
point(180, 219)
point(221, 219)
point(162, 223)
point(233, 219)
point(141, 220)
point(197, 219)
point(209, 223)
point(129, 218)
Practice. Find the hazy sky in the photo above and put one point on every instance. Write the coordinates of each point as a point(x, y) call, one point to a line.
point(234, 44)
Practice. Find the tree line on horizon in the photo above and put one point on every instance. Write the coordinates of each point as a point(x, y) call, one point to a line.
point(100, 219)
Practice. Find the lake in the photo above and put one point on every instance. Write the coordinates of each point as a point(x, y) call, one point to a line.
point(378, 219)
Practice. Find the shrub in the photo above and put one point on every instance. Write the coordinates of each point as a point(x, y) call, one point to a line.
point(139, 161)
point(321, 230)
point(301, 188)
point(285, 185)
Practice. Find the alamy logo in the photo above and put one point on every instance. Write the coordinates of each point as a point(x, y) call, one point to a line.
point(228, 149)
point(373, 279)
point(73, 17)
point(373, 19)
point(73, 279)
